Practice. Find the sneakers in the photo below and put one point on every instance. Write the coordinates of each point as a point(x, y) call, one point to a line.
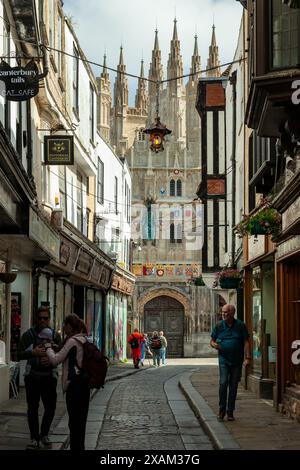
point(34, 445)
point(230, 417)
point(221, 415)
point(46, 443)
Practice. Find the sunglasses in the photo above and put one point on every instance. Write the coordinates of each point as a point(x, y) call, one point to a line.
point(43, 318)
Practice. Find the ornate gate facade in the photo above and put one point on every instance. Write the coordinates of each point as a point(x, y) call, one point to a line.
point(167, 314)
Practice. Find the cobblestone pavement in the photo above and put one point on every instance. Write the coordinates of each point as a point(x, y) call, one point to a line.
point(148, 411)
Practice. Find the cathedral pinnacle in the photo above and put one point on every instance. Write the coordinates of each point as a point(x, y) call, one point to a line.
point(121, 60)
point(213, 61)
point(175, 35)
point(156, 45)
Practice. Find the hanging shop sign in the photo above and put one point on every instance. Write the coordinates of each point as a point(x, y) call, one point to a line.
point(19, 83)
point(59, 150)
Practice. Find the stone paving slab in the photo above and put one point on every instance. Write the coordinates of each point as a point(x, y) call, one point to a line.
point(258, 426)
point(219, 435)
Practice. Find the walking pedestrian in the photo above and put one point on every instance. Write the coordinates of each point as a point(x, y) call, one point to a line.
point(155, 345)
point(231, 338)
point(40, 379)
point(75, 386)
point(145, 348)
point(163, 349)
point(135, 342)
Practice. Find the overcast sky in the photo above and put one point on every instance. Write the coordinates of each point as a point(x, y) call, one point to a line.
point(103, 25)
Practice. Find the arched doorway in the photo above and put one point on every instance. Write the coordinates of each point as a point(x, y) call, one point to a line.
point(167, 314)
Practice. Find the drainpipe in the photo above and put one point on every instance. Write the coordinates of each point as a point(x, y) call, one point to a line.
point(8, 313)
point(233, 159)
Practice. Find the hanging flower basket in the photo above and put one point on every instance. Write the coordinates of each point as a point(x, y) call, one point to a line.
point(267, 221)
point(229, 283)
point(8, 278)
point(229, 278)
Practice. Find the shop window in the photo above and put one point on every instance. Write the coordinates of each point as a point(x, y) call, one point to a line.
point(15, 325)
point(285, 35)
point(256, 319)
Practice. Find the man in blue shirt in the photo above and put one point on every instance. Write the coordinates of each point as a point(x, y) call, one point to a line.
point(231, 338)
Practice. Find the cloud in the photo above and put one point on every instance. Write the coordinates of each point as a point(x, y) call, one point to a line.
point(102, 26)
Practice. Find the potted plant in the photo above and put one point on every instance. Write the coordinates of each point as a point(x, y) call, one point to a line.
point(229, 278)
point(264, 222)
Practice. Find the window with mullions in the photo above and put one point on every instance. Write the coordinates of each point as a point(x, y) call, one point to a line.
point(75, 80)
point(79, 203)
point(100, 191)
point(172, 188)
point(179, 187)
point(285, 39)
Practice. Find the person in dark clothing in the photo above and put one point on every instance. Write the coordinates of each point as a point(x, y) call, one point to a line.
point(76, 387)
point(40, 380)
point(231, 338)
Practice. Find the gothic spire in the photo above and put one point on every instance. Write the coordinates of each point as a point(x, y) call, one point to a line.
point(121, 83)
point(156, 45)
point(156, 70)
point(175, 65)
point(213, 59)
point(141, 97)
point(121, 60)
point(196, 62)
point(175, 35)
point(104, 73)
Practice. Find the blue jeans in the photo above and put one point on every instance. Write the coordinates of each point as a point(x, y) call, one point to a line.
point(229, 377)
point(163, 355)
point(156, 357)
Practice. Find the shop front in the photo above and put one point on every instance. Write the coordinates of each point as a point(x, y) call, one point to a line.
point(288, 295)
point(118, 301)
point(260, 315)
point(77, 283)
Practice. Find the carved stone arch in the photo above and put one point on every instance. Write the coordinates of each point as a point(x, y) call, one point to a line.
point(175, 294)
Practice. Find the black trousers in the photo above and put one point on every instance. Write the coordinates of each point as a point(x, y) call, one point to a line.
point(78, 400)
point(38, 388)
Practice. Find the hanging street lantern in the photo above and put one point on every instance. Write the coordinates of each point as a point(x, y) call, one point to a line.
point(157, 130)
point(157, 133)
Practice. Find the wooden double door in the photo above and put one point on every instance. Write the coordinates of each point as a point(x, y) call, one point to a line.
point(167, 314)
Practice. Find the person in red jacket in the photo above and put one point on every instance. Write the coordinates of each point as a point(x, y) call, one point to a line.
point(135, 342)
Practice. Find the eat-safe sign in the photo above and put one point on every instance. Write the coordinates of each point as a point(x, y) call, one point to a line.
point(19, 83)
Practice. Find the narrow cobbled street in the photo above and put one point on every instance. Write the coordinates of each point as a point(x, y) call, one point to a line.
point(148, 411)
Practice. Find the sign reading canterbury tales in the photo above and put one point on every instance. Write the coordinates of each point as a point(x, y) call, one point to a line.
point(20, 83)
point(59, 150)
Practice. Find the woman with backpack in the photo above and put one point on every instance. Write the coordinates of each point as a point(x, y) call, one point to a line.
point(75, 386)
point(155, 346)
